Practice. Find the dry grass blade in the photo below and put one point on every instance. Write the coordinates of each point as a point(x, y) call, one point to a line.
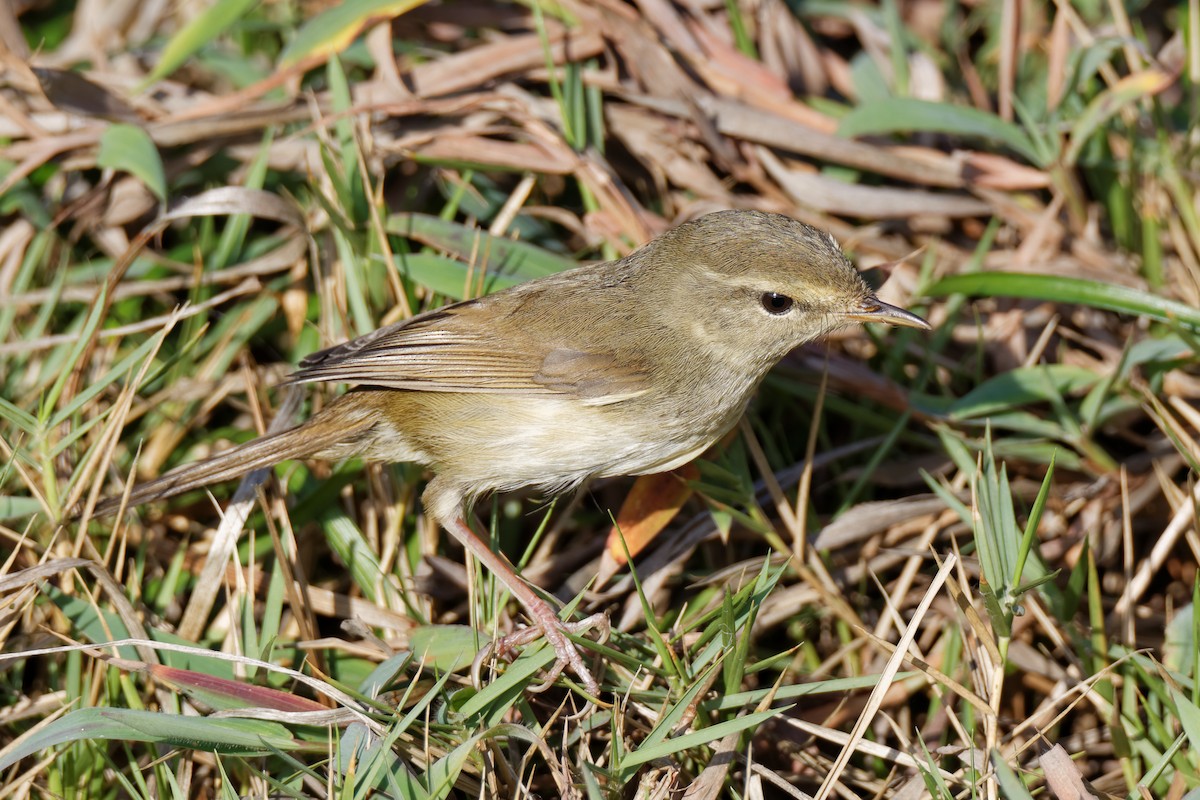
point(247, 286)
point(854, 738)
point(1062, 776)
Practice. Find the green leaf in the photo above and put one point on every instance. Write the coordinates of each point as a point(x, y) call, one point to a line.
point(490, 704)
point(19, 417)
point(1020, 387)
point(439, 780)
point(450, 277)
point(659, 736)
point(907, 115)
point(123, 367)
point(670, 747)
point(446, 648)
point(1020, 422)
point(1031, 524)
point(1189, 717)
point(998, 612)
point(1035, 452)
point(90, 324)
point(502, 255)
point(365, 762)
point(90, 623)
point(210, 24)
point(237, 736)
point(739, 700)
point(1060, 289)
point(1044, 580)
point(333, 30)
point(18, 507)
point(1011, 785)
point(130, 149)
point(996, 533)
point(1180, 641)
point(356, 553)
point(386, 672)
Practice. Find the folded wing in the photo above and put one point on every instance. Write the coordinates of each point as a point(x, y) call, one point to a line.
point(458, 349)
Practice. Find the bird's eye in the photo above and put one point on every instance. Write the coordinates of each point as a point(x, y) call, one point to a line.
point(776, 303)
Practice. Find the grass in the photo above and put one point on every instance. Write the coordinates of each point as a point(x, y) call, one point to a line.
point(956, 564)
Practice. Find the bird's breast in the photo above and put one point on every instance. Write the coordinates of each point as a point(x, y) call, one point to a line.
point(552, 442)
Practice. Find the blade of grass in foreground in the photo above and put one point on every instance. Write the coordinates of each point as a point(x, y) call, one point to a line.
point(908, 115)
point(248, 736)
point(1058, 289)
point(519, 260)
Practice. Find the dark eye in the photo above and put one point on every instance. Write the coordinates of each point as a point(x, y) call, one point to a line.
point(776, 303)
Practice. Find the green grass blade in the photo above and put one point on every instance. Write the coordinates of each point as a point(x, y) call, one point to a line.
point(520, 260)
point(130, 149)
point(122, 724)
point(1031, 525)
point(450, 277)
point(356, 553)
point(1022, 386)
point(674, 745)
point(906, 115)
point(1011, 785)
point(122, 367)
point(1060, 289)
point(205, 27)
point(19, 417)
point(18, 507)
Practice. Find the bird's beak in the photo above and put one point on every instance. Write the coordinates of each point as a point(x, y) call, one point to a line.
point(875, 310)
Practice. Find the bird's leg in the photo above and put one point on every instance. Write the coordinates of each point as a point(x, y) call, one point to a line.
point(544, 617)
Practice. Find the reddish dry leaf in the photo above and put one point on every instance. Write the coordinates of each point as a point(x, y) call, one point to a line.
point(222, 693)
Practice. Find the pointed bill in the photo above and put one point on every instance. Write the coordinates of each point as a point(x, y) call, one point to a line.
point(875, 310)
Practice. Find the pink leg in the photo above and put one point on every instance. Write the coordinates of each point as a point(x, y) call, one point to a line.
point(544, 617)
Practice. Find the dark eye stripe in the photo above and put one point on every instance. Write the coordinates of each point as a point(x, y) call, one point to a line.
point(776, 303)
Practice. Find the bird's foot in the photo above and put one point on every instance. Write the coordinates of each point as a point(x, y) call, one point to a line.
point(555, 631)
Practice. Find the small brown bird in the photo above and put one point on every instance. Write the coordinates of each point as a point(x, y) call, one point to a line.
point(623, 368)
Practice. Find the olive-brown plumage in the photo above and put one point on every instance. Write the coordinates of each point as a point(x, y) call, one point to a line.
point(622, 368)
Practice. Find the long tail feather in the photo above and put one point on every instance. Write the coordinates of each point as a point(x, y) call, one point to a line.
point(299, 442)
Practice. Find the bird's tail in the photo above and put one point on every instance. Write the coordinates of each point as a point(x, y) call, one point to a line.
point(311, 438)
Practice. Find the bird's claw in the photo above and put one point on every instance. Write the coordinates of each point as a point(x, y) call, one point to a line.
point(555, 631)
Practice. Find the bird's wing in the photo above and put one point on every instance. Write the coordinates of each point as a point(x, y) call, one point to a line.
point(457, 349)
